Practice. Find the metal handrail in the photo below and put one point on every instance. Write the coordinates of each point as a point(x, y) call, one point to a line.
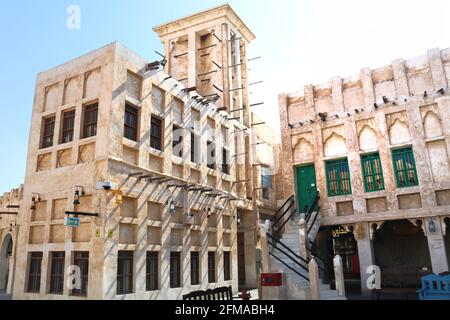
point(279, 228)
point(290, 257)
point(314, 220)
point(289, 249)
point(301, 275)
point(313, 206)
point(277, 218)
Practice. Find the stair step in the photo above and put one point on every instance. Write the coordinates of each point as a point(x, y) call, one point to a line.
point(290, 236)
point(328, 294)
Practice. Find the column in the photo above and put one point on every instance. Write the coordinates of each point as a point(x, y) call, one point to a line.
point(436, 245)
point(420, 156)
point(437, 69)
point(192, 59)
point(400, 79)
point(354, 163)
point(338, 100)
point(224, 49)
point(250, 249)
point(286, 147)
point(367, 85)
point(386, 160)
point(141, 246)
point(365, 252)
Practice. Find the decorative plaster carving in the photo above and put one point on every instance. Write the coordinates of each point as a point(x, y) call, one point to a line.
point(361, 124)
point(398, 116)
point(349, 227)
point(399, 132)
point(432, 125)
point(374, 226)
point(421, 224)
point(327, 132)
point(300, 138)
point(367, 138)
point(334, 145)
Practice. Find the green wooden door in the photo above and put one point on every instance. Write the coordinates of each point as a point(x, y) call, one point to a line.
point(306, 186)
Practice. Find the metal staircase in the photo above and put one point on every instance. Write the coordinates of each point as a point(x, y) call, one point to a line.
point(285, 249)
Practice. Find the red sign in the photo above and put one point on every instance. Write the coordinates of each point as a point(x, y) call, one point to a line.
point(271, 279)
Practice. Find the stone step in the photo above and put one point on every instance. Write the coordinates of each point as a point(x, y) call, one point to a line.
point(291, 244)
point(328, 294)
point(335, 298)
point(290, 236)
point(290, 241)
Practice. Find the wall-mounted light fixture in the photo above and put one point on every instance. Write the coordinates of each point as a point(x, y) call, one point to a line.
point(11, 226)
point(208, 212)
point(79, 190)
point(35, 197)
point(172, 208)
point(118, 197)
point(431, 226)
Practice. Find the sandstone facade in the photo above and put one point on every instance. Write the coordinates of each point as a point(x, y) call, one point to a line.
point(171, 203)
point(404, 104)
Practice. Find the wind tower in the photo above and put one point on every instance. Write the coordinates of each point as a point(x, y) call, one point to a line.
point(208, 51)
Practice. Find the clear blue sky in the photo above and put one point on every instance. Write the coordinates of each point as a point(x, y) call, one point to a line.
point(301, 42)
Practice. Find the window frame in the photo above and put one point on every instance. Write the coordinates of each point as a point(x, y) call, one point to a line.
point(57, 259)
point(34, 278)
point(195, 144)
point(89, 129)
point(71, 129)
point(177, 142)
point(122, 276)
point(374, 161)
point(161, 133)
point(212, 277)
point(211, 155)
point(81, 259)
point(227, 265)
point(265, 187)
point(225, 164)
point(130, 130)
point(50, 120)
point(195, 268)
point(175, 282)
point(152, 275)
point(403, 153)
point(340, 192)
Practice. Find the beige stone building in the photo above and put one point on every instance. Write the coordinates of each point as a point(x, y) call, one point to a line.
point(164, 163)
point(376, 148)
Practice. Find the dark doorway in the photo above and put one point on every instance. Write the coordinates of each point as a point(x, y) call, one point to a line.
point(5, 257)
point(401, 252)
point(241, 258)
point(337, 240)
point(447, 239)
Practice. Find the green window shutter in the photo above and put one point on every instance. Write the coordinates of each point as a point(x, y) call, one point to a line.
point(372, 172)
point(338, 177)
point(405, 167)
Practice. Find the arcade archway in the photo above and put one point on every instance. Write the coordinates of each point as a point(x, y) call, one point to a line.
point(5, 262)
point(447, 239)
point(401, 252)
